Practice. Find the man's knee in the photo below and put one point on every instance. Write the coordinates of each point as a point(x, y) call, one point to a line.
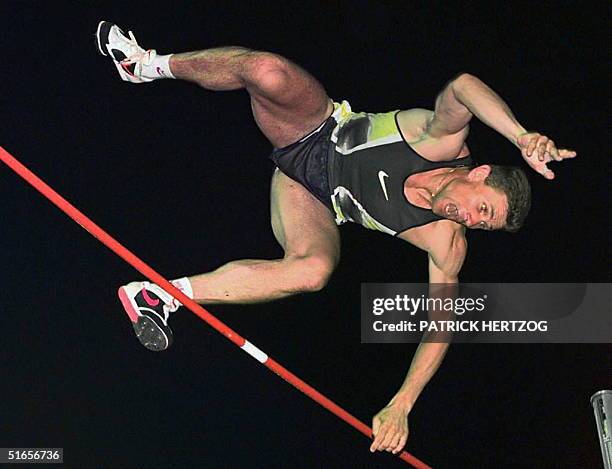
point(268, 75)
point(313, 272)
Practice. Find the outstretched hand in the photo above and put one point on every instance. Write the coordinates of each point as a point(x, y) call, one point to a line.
point(538, 150)
point(390, 429)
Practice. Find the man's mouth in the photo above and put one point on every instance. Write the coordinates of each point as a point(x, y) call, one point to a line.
point(452, 212)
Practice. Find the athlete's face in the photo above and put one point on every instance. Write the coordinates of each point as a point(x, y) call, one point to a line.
point(470, 202)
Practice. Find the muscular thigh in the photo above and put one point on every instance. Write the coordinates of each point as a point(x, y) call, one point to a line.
point(287, 101)
point(301, 224)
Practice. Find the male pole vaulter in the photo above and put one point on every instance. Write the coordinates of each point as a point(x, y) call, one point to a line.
point(406, 173)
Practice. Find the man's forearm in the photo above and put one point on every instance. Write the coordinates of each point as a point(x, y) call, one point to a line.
point(487, 106)
point(443, 284)
point(425, 363)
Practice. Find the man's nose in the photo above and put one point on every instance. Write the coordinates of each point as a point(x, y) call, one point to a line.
point(473, 221)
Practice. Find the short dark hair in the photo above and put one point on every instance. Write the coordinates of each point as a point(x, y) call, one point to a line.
point(513, 182)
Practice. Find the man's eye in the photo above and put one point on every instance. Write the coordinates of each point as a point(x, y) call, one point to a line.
point(483, 225)
point(483, 208)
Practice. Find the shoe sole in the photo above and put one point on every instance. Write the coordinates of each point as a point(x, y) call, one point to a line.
point(149, 334)
point(103, 30)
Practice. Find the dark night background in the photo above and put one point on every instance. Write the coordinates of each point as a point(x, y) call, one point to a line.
point(181, 177)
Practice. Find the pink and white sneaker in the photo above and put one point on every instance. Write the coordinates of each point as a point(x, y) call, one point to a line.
point(149, 307)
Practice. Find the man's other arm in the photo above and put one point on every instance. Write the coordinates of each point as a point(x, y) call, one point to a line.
point(447, 250)
point(466, 96)
point(444, 265)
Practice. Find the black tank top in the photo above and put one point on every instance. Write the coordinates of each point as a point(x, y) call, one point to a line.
point(369, 164)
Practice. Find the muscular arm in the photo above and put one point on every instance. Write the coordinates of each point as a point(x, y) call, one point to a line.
point(447, 248)
point(445, 261)
point(466, 96)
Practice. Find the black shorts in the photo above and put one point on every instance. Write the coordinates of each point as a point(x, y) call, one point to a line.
point(305, 161)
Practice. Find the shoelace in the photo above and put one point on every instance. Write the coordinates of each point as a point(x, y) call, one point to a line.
point(139, 55)
point(167, 308)
point(170, 308)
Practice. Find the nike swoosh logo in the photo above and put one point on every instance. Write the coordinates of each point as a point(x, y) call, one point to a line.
point(150, 301)
point(381, 177)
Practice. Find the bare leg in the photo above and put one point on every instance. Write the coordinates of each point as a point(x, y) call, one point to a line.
point(306, 231)
point(287, 102)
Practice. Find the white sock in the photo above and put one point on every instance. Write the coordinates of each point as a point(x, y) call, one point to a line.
point(184, 285)
point(159, 67)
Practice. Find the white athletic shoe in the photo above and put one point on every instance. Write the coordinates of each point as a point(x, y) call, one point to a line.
point(130, 59)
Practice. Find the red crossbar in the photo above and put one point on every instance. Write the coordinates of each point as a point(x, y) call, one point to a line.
point(195, 308)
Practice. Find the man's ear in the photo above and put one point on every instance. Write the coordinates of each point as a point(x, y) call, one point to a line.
point(479, 173)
